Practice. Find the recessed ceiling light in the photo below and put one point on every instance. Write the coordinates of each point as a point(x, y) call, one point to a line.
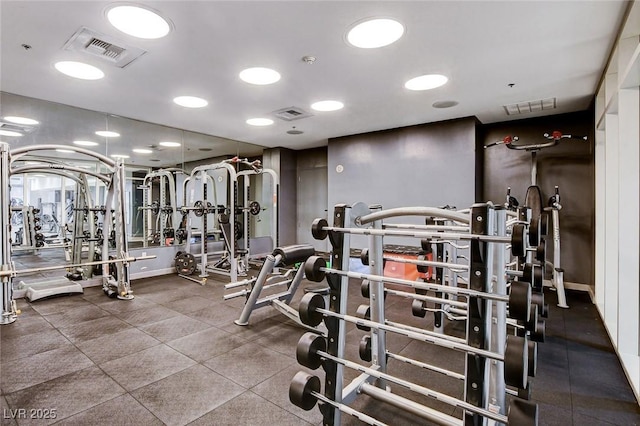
point(205, 149)
point(107, 134)
point(154, 159)
point(444, 104)
point(260, 76)
point(426, 82)
point(190, 102)
point(66, 151)
point(374, 33)
point(260, 121)
point(21, 120)
point(138, 22)
point(119, 155)
point(294, 132)
point(9, 133)
point(86, 143)
point(170, 144)
point(142, 151)
point(79, 70)
point(327, 106)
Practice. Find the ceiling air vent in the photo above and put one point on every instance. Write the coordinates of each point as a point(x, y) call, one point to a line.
point(530, 106)
point(21, 128)
point(291, 113)
point(107, 48)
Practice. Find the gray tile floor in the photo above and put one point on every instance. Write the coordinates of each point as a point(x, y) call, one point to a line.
point(174, 356)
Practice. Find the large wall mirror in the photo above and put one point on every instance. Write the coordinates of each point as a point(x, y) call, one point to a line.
point(145, 148)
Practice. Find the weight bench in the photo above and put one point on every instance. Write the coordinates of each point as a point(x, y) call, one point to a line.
point(281, 256)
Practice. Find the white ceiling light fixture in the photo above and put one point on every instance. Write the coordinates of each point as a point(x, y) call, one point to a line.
point(86, 143)
point(107, 134)
point(139, 21)
point(190, 102)
point(9, 133)
point(260, 122)
point(142, 151)
point(22, 120)
point(426, 82)
point(170, 144)
point(260, 76)
point(65, 151)
point(79, 70)
point(119, 156)
point(327, 105)
point(374, 33)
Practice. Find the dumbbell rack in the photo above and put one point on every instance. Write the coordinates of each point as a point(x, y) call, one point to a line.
point(484, 378)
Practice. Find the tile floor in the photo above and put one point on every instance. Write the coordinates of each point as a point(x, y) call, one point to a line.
point(174, 356)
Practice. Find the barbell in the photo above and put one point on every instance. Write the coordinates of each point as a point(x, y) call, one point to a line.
point(4, 272)
point(519, 298)
point(312, 311)
point(311, 351)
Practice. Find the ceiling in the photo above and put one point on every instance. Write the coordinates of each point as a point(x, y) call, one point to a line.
point(494, 54)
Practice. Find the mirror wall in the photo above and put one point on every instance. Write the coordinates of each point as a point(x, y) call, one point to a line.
point(143, 146)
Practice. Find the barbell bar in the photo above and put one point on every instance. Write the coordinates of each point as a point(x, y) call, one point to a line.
point(519, 300)
point(312, 311)
point(304, 392)
point(12, 272)
point(320, 230)
point(311, 350)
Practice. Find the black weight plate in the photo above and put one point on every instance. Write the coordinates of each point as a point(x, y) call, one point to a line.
point(519, 300)
point(364, 256)
point(522, 413)
point(417, 308)
point(307, 309)
point(317, 228)
point(254, 208)
point(534, 231)
point(516, 362)
point(517, 240)
point(198, 208)
point(364, 312)
point(532, 347)
point(307, 350)
point(364, 348)
point(185, 264)
point(312, 268)
point(364, 288)
point(300, 389)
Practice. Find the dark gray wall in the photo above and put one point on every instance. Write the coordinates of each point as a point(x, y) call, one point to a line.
point(312, 193)
point(426, 165)
point(283, 161)
point(570, 165)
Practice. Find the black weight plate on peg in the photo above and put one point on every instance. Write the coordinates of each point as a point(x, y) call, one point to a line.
point(541, 250)
point(364, 348)
point(185, 264)
point(364, 256)
point(364, 312)
point(522, 413)
point(537, 298)
point(198, 208)
point(237, 230)
point(516, 361)
point(317, 229)
point(254, 208)
point(422, 268)
point(519, 300)
point(534, 231)
point(307, 350)
point(223, 218)
point(364, 288)
point(300, 389)
point(307, 309)
point(517, 240)
point(312, 268)
point(417, 308)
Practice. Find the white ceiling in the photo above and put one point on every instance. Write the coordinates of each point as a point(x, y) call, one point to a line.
point(546, 48)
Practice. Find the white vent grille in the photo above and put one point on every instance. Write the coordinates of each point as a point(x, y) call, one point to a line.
point(21, 128)
point(291, 113)
point(530, 106)
point(107, 48)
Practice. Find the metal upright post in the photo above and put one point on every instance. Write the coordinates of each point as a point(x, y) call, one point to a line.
point(338, 289)
point(496, 395)
point(376, 300)
point(118, 205)
point(9, 313)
